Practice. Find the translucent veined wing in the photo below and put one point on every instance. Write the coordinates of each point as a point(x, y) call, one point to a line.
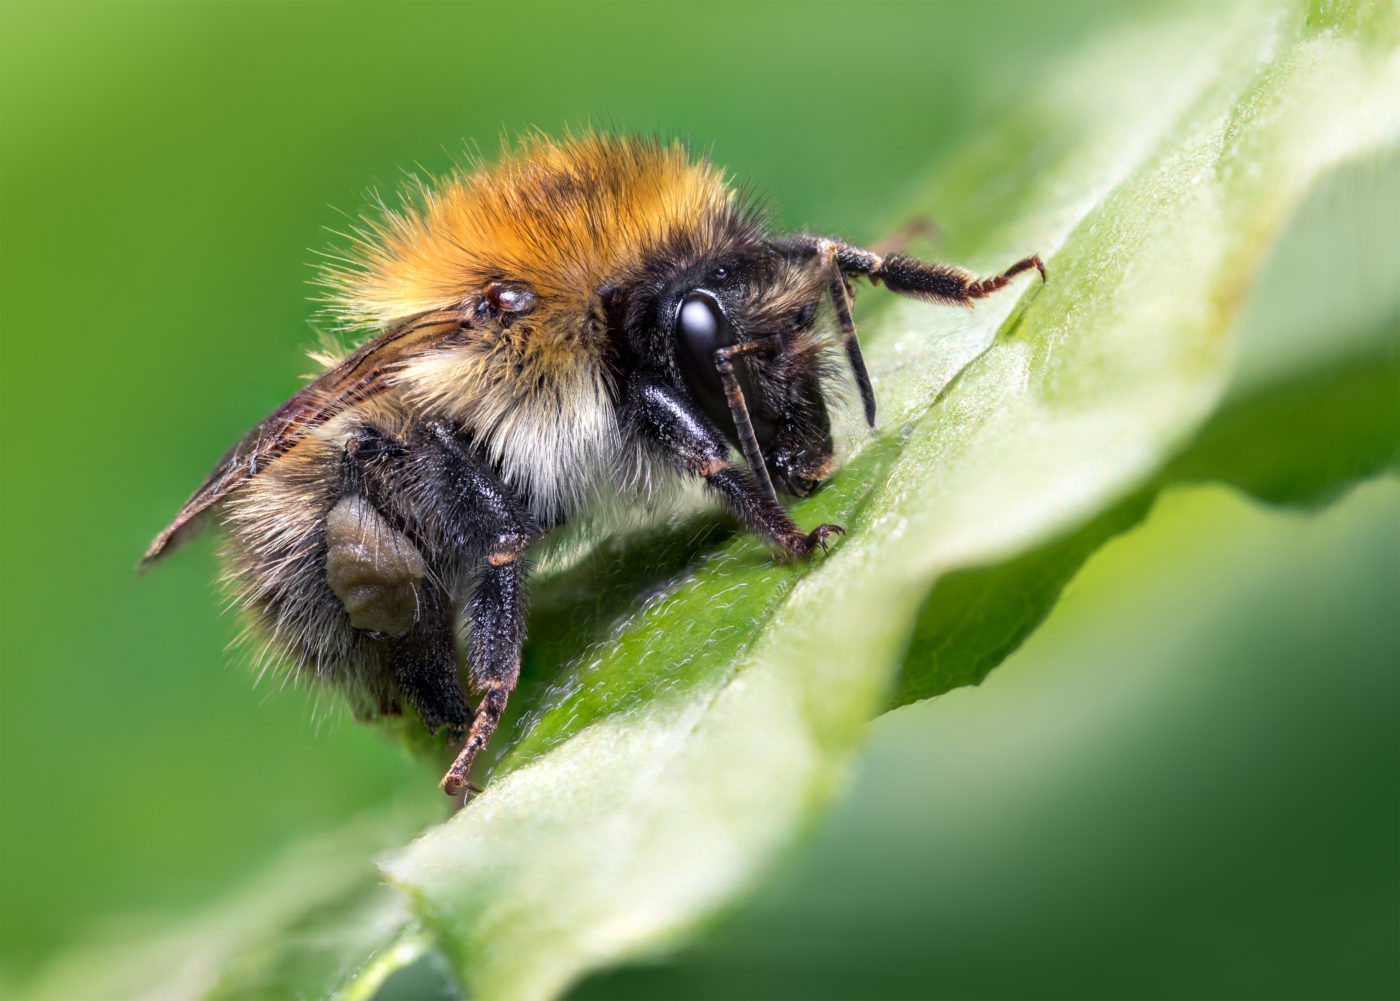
point(366, 373)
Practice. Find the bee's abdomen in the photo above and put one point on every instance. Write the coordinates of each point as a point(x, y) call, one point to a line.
point(372, 568)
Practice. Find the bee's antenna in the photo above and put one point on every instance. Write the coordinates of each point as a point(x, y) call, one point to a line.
point(739, 410)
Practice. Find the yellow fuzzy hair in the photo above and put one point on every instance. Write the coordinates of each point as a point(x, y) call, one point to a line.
point(559, 216)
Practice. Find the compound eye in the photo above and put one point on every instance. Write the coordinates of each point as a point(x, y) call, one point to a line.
point(699, 317)
point(701, 327)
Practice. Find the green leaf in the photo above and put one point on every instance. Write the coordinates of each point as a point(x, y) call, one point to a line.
point(692, 703)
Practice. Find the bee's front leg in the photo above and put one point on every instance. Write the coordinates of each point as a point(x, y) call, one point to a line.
point(681, 432)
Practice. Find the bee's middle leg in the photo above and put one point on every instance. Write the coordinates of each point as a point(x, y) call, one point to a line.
point(424, 665)
point(483, 518)
point(493, 655)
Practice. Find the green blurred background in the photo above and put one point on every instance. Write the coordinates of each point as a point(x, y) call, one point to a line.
point(167, 172)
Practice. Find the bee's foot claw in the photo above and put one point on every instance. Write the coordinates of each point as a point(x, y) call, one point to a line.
point(806, 545)
point(456, 786)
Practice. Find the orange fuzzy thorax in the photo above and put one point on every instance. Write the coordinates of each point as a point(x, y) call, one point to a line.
point(561, 217)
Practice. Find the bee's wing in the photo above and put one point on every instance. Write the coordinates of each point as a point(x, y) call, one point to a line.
point(364, 374)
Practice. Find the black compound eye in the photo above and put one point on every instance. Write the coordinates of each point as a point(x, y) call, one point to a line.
point(699, 318)
point(701, 327)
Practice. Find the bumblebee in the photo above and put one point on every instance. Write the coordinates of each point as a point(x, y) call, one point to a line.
point(583, 320)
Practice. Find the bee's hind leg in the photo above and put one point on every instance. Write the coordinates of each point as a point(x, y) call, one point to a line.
point(382, 580)
point(474, 521)
point(424, 665)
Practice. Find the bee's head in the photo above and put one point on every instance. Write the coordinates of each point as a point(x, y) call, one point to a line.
point(764, 309)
